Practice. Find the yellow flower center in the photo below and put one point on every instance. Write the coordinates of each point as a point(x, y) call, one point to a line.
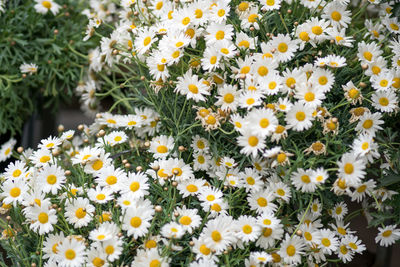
point(394, 27)
point(309, 96)
point(185, 220)
point(243, 6)
point(361, 189)
point(317, 30)
point(247, 229)
point(192, 188)
point(151, 244)
point(326, 242)
point(98, 262)
point(304, 36)
point(193, 88)
point(147, 41)
point(216, 236)
point(109, 249)
point(159, 5)
point(15, 192)
point(307, 236)
point(291, 250)
point(190, 33)
point(80, 213)
point(186, 21)
point(201, 159)
point(353, 245)
point(44, 159)
point(250, 180)
point(353, 93)
point(198, 13)
point(300, 116)
point(221, 12)
point(343, 249)
point(262, 202)
point(210, 197)
point(51, 179)
point(250, 101)
point(281, 157)
point(262, 70)
point(111, 180)
point(280, 192)
point(216, 207)
point(336, 16)
point(387, 233)
point(282, 47)
point(323, 80)
point(342, 231)
point(176, 54)
point(383, 83)
point(97, 165)
point(367, 55)
point(376, 70)
point(229, 98)
point(253, 141)
point(220, 35)
point(305, 179)
point(136, 222)
point(290, 81)
point(162, 149)
point(338, 210)
point(244, 43)
point(43, 217)
point(267, 231)
point(270, 2)
point(252, 18)
point(367, 124)
point(70, 254)
point(100, 196)
point(46, 4)
point(155, 263)
point(204, 250)
point(348, 168)
point(16, 173)
point(224, 51)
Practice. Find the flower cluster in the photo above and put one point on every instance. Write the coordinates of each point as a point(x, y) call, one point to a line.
point(251, 126)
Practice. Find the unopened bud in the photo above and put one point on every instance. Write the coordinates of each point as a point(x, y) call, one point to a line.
point(60, 128)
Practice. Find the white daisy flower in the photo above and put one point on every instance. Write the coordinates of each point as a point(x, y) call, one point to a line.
point(192, 87)
point(292, 249)
point(71, 252)
point(30, 68)
point(136, 186)
point(369, 123)
point(251, 143)
point(13, 191)
point(43, 6)
point(299, 118)
point(247, 229)
point(42, 218)
point(351, 169)
point(261, 201)
point(387, 235)
point(79, 212)
point(329, 243)
point(137, 221)
point(100, 195)
point(219, 233)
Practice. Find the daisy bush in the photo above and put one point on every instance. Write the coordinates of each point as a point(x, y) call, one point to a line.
point(238, 134)
point(39, 59)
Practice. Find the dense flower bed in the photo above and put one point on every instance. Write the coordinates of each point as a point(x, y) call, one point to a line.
point(248, 126)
